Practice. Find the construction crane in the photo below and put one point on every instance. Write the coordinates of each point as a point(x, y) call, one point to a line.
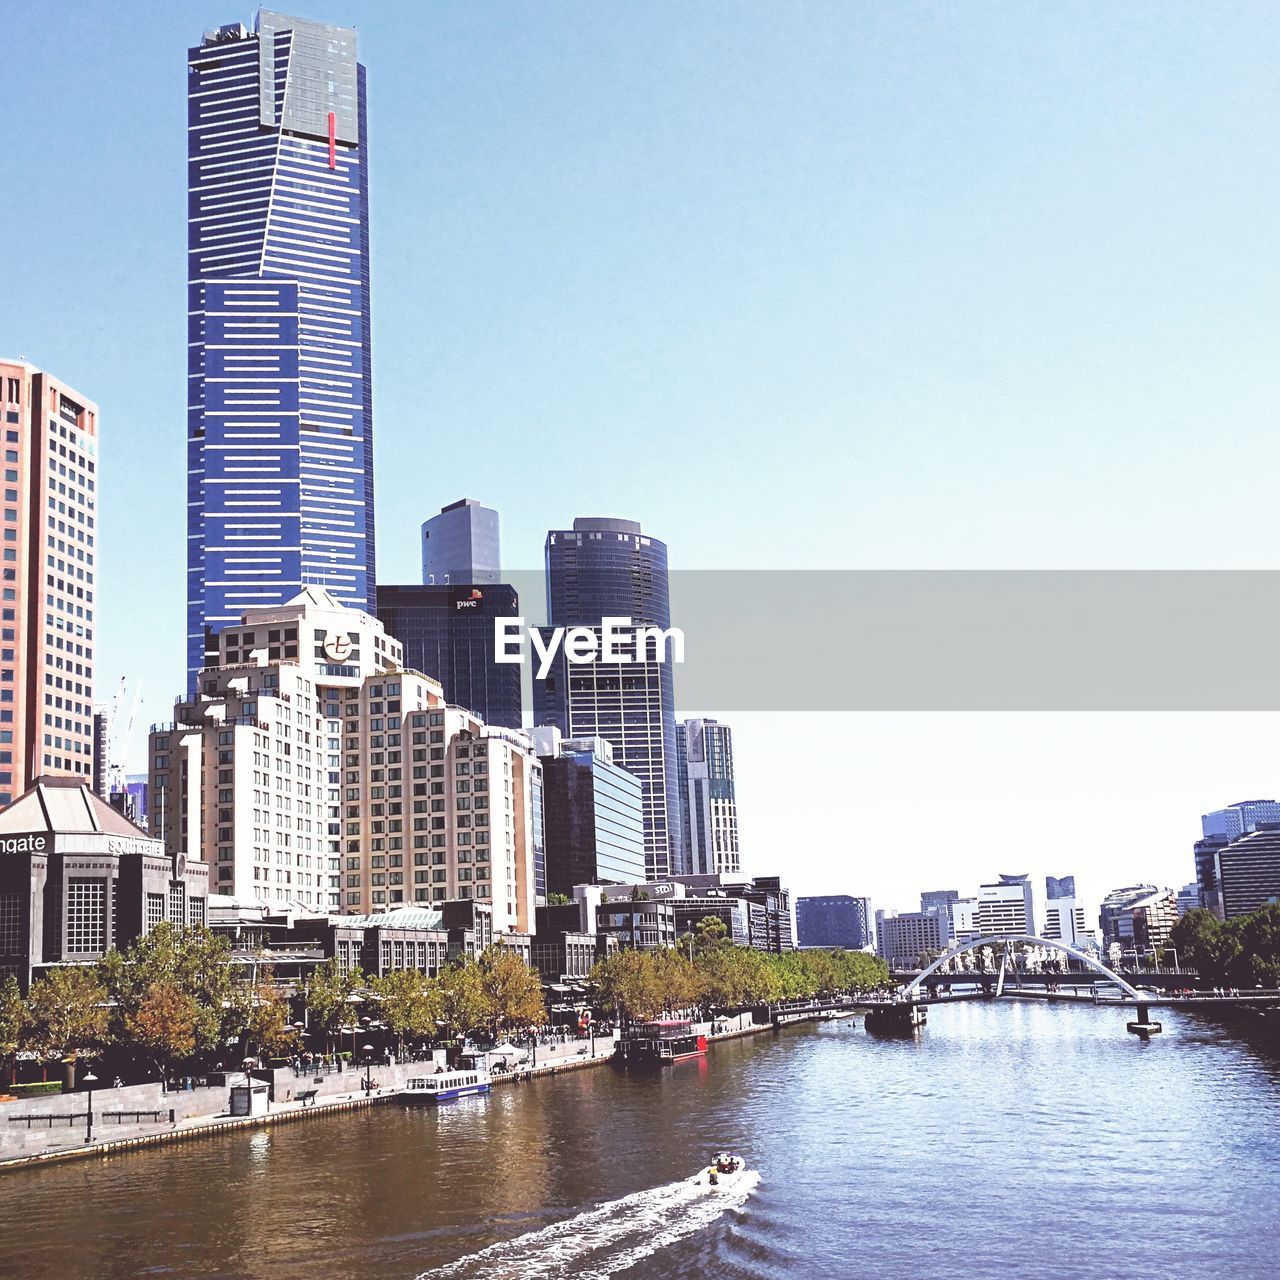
point(117, 743)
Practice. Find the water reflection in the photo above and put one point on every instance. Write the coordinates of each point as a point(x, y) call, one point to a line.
point(1020, 1139)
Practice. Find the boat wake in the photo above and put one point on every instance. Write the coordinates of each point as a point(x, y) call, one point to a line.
point(603, 1241)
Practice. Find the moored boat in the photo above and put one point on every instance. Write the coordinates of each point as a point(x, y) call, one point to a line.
point(664, 1041)
point(444, 1086)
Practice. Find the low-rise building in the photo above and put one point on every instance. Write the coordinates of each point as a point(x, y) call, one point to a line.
point(1065, 921)
point(78, 880)
point(644, 922)
point(1138, 918)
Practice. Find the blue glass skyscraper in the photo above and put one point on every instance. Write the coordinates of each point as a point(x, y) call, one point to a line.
point(279, 418)
point(610, 568)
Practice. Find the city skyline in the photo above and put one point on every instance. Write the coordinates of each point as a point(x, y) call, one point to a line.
point(1221, 759)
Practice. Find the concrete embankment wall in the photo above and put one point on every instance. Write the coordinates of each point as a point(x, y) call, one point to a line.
point(147, 1114)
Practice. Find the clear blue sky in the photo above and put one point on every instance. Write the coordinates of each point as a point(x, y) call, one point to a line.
point(813, 285)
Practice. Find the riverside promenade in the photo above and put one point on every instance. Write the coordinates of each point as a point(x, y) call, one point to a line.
point(54, 1127)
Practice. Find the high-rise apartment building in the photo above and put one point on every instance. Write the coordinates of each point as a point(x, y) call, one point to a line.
point(461, 545)
point(708, 804)
point(605, 568)
point(312, 769)
point(835, 920)
point(48, 527)
point(1219, 828)
point(1006, 907)
point(279, 415)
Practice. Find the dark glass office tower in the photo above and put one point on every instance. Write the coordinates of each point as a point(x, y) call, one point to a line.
point(279, 418)
point(447, 632)
point(594, 828)
point(609, 568)
point(461, 545)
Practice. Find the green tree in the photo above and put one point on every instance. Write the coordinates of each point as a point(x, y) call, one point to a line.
point(410, 1003)
point(265, 1015)
point(1198, 939)
point(13, 1021)
point(67, 1010)
point(163, 1025)
point(629, 982)
point(512, 991)
point(193, 962)
point(463, 1005)
point(710, 932)
point(328, 995)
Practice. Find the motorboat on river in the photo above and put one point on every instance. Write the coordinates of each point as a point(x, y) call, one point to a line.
point(724, 1171)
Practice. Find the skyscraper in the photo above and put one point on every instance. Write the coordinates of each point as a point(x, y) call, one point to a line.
point(279, 417)
point(460, 546)
point(708, 805)
point(604, 568)
point(49, 520)
point(447, 633)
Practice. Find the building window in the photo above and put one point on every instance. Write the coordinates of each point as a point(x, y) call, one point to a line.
point(86, 916)
point(11, 930)
point(155, 910)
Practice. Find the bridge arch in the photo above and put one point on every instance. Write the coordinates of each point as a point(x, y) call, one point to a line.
point(1000, 938)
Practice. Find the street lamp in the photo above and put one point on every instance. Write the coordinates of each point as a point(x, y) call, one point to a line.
point(90, 1080)
point(368, 1069)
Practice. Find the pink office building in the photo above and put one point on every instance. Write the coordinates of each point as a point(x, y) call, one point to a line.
point(48, 532)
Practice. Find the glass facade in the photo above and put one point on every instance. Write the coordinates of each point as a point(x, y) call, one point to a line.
point(447, 633)
point(708, 802)
point(279, 420)
point(836, 920)
point(609, 568)
point(594, 823)
point(461, 546)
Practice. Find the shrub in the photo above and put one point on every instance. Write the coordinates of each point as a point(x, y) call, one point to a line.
point(35, 1088)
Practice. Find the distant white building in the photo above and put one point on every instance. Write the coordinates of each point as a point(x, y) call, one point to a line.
point(1006, 907)
point(1065, 921)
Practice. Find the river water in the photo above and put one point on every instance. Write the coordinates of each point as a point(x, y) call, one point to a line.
point(1012, 1139)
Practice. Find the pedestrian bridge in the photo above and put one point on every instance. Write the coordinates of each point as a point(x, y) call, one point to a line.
point(1006, 943)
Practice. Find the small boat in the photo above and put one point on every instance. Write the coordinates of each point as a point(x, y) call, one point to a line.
point(723, 1172)
point(444, 1086)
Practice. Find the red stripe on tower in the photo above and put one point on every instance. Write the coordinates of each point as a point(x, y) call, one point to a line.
point(333, 141)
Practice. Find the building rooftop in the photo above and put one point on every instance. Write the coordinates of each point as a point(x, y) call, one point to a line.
point(66, 806)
